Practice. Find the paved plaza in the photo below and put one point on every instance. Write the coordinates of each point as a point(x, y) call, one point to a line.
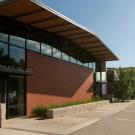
point(116, 118)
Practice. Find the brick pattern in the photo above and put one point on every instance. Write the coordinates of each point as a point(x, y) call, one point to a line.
point(54, 81)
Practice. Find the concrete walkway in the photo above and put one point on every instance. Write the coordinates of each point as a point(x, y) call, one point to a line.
point(63, 125)
point(121, 123)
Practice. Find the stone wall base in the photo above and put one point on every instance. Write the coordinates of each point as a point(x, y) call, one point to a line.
point(2, 114)
point(70, 110)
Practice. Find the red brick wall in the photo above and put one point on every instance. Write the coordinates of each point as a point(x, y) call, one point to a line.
point(54, 81)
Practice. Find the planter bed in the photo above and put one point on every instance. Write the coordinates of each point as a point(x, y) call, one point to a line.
point(69, 110)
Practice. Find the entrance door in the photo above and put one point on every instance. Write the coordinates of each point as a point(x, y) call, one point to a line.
point(15, 96)
point(2, 90)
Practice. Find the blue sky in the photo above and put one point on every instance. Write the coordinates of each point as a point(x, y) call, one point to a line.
point(112, 20)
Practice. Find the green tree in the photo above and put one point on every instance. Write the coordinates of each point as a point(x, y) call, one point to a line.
point(125, 86)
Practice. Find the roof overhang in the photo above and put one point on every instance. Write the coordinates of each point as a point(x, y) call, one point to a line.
point(38, 15)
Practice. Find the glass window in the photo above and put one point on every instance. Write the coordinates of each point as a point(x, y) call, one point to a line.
point(91, 65)
point(86, 64)
point(46, 49)
point(15, 96)
point(33, 45)
point(103, 78)
point(4, 37)
point(56, 53)
point(17, 57)
point(73, 60)
point(3, 49)
point(17, 41)
point(3, 53)
point(65, 56)
point(97, 76)
point(94, 66)
point(79, 62)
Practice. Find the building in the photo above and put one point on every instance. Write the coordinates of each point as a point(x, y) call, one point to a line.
point(45, 57)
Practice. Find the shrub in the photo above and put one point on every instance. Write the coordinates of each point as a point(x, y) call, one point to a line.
point(40, 111)
point(94, 99)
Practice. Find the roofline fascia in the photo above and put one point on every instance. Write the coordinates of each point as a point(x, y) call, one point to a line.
point(71, 21)
point(5, 2)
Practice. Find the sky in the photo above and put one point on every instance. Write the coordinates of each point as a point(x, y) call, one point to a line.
point(112, 20)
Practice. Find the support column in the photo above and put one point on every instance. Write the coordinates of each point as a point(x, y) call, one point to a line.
point(100, 83)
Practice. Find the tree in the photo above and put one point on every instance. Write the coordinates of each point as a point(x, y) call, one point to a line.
point(125, 86)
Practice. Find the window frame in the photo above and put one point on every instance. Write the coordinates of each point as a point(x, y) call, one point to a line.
point(13, 43)
point(24, 57)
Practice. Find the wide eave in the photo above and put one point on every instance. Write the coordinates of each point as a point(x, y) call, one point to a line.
point(38, 15)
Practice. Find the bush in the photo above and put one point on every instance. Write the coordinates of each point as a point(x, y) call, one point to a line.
point(40, 111)
point(94, 99)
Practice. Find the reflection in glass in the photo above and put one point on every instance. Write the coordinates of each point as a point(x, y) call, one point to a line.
point(94, 66)
point(56, 53)
point(97, 76)
point(73, 60)
point(91, 65)
point(103, 74)
point(3, 37)
point(3, 53)
point(46, 49)
point(3, 49)
point(17, 57)
point(86, 64)
point(79, 62)
point(17, 41)
point(33, 45)
point(65, 57)
point(15, 96)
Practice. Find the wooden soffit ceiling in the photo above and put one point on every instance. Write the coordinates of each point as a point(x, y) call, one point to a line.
point(38, 15)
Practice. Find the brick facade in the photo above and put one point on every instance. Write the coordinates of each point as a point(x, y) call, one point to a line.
point(55, 81)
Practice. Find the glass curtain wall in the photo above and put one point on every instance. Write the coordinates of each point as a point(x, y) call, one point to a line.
point(3, 49)
point(14, 48)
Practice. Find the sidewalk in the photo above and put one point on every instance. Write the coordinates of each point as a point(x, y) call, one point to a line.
point(64, 125)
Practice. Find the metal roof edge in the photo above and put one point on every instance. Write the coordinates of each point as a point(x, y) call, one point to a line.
point(71, 21)
point(37, 2)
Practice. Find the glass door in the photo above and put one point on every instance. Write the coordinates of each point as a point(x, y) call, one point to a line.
point(2, 89)
point(15, 96)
